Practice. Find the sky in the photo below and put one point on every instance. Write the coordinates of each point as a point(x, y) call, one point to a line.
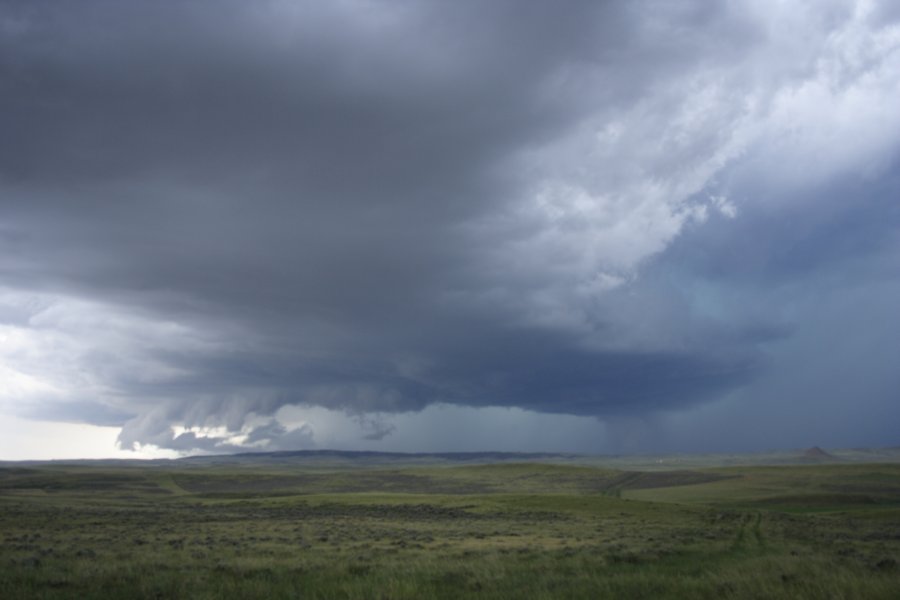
point(596, 227)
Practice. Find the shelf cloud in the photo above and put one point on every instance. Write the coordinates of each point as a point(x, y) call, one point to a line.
point(217, 214)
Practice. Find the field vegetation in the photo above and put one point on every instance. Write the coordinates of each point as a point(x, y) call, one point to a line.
point(283, 529)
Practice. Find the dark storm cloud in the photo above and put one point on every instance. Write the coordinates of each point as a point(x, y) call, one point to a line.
point(214, 156)
point(824, 269)
point(228, 207)
point(314, 95)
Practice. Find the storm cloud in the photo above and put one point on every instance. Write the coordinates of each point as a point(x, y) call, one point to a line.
point(216, 214)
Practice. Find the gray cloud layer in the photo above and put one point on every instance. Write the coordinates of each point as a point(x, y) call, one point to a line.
point(210, 210)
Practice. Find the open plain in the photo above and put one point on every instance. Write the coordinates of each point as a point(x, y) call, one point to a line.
point(340, 526)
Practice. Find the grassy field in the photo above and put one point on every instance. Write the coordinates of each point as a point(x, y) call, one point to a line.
point(498, 530)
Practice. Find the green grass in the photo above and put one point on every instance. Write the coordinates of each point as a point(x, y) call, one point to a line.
point(826, 487)
point(432, 531)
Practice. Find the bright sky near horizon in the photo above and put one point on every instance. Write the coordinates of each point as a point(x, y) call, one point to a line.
point(644, 226)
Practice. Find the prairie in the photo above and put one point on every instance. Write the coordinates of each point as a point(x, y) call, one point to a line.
point(420, 529)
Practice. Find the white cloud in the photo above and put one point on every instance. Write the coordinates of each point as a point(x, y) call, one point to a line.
point(26, 439)
point(58, 349)
point(813, 97)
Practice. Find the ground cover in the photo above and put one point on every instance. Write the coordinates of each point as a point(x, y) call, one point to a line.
point(510, 530)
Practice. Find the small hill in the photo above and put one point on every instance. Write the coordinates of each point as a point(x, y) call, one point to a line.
point(816, 454)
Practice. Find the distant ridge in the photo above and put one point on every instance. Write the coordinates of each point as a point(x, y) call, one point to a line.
point(368, 454)
point(817, 454)
point(345, 458)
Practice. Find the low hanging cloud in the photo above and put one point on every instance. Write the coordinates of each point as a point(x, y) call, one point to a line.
point(210, 211)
